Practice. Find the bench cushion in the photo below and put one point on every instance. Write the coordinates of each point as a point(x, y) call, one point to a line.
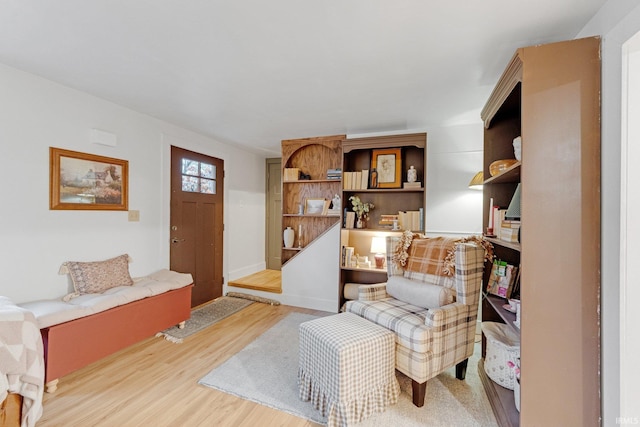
point(55, 311)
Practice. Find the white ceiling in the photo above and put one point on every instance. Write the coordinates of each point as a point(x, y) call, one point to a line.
point(255, 72)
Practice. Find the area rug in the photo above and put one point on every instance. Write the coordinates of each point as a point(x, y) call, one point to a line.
point(205, 316)
point(265, 371)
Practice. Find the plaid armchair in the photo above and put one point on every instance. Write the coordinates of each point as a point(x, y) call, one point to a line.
point(439, 332)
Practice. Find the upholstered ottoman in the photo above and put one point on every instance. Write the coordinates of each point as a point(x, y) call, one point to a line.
point(347, 367)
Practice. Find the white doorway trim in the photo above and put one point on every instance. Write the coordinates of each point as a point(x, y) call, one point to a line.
point(630, 233)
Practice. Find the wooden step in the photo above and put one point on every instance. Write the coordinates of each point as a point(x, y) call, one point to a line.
point(266, 280)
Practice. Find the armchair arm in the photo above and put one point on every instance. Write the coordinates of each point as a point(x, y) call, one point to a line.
point(452, 332)
point(373, 292)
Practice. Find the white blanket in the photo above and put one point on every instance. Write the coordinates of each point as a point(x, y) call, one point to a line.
point(21, 359)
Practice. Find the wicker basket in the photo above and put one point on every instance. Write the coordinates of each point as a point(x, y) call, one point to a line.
point(503, 346)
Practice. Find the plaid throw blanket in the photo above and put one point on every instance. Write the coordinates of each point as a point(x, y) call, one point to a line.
point(21, 359)
point(435, 255)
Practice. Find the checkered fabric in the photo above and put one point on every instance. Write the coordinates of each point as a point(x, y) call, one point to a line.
point(429, 341)
point(405, 320)
point(347, 368)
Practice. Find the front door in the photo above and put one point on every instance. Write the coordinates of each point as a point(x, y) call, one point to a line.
point(197, 221)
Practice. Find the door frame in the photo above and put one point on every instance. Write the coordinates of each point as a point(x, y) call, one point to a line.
point(167, 140)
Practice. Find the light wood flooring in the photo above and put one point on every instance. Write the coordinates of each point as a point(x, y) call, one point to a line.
point(155, 382)
point(265, 280)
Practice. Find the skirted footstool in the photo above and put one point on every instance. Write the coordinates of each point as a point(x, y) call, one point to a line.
point(347, 367)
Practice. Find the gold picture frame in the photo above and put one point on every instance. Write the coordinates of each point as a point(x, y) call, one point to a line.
point(82, 181)
point(388, 165)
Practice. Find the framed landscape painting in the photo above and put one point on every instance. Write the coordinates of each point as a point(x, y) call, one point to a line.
point(81, 181)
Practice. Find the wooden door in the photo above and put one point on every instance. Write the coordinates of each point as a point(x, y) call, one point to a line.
point(274, 214)
point(197, 221)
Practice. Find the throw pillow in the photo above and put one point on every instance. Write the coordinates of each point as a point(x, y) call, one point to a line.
point(418, 294)
point(98, 276)
point(427, 256)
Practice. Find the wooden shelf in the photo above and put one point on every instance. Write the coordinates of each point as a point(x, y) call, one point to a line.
point(511, 245)
point(511, 174)
point(368, 270)
point(502, 400)
point(313, 157)
point(507, 317)
point(385, 190)
point(310, 216)
point(311, 181)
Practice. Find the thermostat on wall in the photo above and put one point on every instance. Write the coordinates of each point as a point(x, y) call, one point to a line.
point(103, 138)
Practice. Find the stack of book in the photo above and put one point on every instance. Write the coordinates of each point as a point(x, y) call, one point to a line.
point(388, 220)
point(415, 184)
point(509, 231)
point(334, 174)
point(356, 180)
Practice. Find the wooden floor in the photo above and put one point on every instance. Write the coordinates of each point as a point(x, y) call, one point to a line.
point(155, 382)
point(266, 280)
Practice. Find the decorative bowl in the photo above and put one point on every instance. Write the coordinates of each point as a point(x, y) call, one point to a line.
point(500, 166)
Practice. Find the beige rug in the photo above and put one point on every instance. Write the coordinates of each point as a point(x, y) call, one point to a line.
point(206, 316)
point(265, 371)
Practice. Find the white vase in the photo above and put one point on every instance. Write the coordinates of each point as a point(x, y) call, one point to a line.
point(412, 174)
point(288, 236)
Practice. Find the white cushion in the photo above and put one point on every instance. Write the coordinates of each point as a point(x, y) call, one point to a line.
point(156, 288)
point(418, 293)
point(130, 293)
point(98, 302)
point(52, 312)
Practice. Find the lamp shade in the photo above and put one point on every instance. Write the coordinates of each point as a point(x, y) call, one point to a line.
point(378, 245)
point(476, 181)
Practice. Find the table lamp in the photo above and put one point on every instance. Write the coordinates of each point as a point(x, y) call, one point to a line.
point(379, 248)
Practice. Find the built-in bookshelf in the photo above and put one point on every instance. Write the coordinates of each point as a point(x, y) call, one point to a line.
point(396, 203)
point(311, 178)
point(549, 96)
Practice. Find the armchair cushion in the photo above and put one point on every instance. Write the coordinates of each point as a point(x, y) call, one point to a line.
point(407, 321)
point(420, 294)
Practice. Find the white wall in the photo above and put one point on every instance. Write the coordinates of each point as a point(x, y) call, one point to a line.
point(35, 114)
point(616, 22)
point(454, 156)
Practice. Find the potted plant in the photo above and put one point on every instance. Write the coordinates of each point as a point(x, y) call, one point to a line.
point(361, 210)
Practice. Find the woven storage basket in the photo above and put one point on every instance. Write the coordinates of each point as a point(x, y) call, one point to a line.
point(503, 346)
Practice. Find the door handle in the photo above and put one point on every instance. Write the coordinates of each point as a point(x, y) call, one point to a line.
point(175, 240)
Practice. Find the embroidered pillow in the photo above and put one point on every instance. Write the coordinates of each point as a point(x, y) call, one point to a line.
point(98, 276)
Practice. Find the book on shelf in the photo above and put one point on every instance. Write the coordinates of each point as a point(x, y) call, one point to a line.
point(388, 219)
point(498, 218)
point(415, 184)
point(334, 174)
point(356, 180)
point(349, 219)
point(410, 220)
point(348, 257)
point(325, 206)
point(509, 231)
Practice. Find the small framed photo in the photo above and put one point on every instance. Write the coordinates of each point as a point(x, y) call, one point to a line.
point(313, 206)
point(81, 181)
point(388, 164)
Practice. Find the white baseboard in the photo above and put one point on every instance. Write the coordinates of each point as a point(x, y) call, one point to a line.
point(246, 271)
